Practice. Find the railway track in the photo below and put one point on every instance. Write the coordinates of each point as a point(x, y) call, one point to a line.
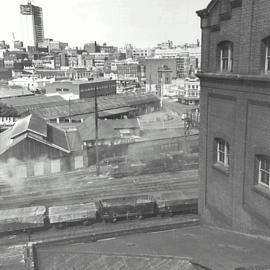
point(82, 188)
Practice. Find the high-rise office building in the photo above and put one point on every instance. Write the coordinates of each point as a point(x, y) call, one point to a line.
point(33, 24)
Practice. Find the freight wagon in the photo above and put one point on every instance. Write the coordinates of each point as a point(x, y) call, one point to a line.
point(114, 209)
point(178, 202)
point(61, 216)
point(22, 219)
point(105, 209)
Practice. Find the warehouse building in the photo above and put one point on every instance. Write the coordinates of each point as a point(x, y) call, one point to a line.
point(235, 113)
point(83, 88)
point(56, 109)
point(33, 147)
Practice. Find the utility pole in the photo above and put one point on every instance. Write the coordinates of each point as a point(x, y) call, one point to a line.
point(69, 111)
point(161, 92)
point(96, 128)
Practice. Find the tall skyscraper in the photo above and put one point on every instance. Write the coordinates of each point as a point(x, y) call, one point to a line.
point(33, 24)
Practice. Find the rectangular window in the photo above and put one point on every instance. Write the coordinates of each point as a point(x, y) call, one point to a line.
point(78, 160)
point(21, 171)
point(55, 165)
point(267, 58)
point(38, 168)
point(264, 172)
point(222, 152)
point(226, 58)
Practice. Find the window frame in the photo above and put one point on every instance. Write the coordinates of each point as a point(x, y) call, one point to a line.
point(260, 170)
point(222, 154)
point(225, 46)
point(266, 55)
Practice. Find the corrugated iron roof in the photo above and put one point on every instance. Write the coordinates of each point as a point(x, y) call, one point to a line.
point(74, 140)
point(6, 142)
point(116, 111)
point(39, 130)
point(30, 123)
point(30, 102)
point(107, 129)
point(87, 130)
point(125, 123)
point(55, 106)
point(8, 92)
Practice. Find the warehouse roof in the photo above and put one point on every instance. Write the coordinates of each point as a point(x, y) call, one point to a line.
point(87, 130)
point(39, 130)
point(116, 111)
point(125, 123)
point(107, 129)
point(54, 106)
point(31, 123)
point(23, 104)
point(96, 80)
point(13, 92)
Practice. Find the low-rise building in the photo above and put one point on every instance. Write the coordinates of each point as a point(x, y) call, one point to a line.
point(56, 109)
point(31, 83)
point(114, 136)
point(190, 93)
point(84, 88)
point(34, 148)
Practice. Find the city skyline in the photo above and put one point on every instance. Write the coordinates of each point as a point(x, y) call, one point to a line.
point(117, 23)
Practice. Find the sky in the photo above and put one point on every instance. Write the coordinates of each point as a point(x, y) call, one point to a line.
point(142, 23)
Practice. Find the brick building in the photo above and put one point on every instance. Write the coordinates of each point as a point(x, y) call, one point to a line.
point(235, 113)
point(84, 88)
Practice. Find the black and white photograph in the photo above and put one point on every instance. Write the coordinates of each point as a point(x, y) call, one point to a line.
point(135, 135)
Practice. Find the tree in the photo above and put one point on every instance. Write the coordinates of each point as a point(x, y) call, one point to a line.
point(7, 111)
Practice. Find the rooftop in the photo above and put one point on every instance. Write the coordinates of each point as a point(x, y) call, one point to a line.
point(51, 107)
point(107, 128)
point(210, 247)
point(91, 81)
point(9, 92)
point(28, 103)
point(38, 129)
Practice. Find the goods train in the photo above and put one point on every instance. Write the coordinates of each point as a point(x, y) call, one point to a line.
point(33, 218)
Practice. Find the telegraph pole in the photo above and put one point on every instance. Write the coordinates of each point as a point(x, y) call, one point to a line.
point(69, 111)
point(96, 128)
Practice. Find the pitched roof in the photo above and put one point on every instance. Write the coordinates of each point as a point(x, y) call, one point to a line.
point(31, 123)
point(107, 129)
point(6, 142)
point(87, 129)
point(52, 107)
point(125, 123)
point(29, 103)
point(74, 140)
point(39, 130)
point(9, 92)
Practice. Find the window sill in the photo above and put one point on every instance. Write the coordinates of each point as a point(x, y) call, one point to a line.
point(225, 72)
point(263, 191)
point(221, 168)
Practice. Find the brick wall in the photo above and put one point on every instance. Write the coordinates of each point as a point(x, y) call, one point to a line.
point(235, 107)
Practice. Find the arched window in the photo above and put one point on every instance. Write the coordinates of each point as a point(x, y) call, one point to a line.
point(225, 56)
point(222, 152)
point(266, 55)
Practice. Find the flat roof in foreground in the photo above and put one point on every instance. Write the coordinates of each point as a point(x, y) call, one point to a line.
point(211, 247)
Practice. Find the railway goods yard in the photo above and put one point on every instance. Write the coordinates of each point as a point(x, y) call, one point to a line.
point(80, 189)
